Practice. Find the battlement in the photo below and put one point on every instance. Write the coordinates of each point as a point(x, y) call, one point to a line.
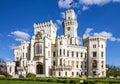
point(70, 22)
point(95, 38)
point(69, 11)
point(44, 25)
point(70, 15)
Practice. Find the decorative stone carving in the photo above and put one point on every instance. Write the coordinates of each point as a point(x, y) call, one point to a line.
point(38, 36)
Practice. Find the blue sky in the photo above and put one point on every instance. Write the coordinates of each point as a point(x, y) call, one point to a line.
point(95, 17)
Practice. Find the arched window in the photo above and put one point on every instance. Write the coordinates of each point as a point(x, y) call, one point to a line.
point(94, 64)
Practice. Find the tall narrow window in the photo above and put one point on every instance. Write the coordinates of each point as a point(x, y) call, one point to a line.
point(67, 53)
point(85, 55)
point(76, 54)
point(81, 54)
point(102, 54)
point(39, 49)
point(54, 54)
point(53, 63)
point(94, 54)
point(59, 73)
point(101, 46)
point(94, 46)
point(72, 54)
point(64, 51)
point(60, 51)
point(60, 62)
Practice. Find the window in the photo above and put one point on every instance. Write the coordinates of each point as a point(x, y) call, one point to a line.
point(94, 54)
point(85, 73)
point(76, 66)
point(101, 46)
point(81, 73)
point(60, 43)
point(85, 55)
point(102, 54)
point(23, 63)
point(67, 53)
point(54, 63)
point(101, 66)
point(54, 54)
point(23, 47)
point(64, 51)
point(77, 73)
point(60, 62)
point(94, 72)
point(60, 51)
point(72, 54)
point(81, 66)
point(68, 28)
point(94, 46)
point(94, 64)
point(59, 73)
point(72, 73)
point(39, 49)
point(68, 18)
point(76, 54)
point(23, 55)
point(65, 73)
point(68, 35)
point(81, 55)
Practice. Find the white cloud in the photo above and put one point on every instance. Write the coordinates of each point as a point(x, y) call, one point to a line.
point(65, 3)
point(108, 35)
point(83, 4)
point(56, 25)
point(116, 0)
point(12, 46)
point(88, 32)
point(80, 41)
point(59, 21)
point(8, 59)
point(62, 14)
point(20, 35)
point(94, 2)
point(85, 8)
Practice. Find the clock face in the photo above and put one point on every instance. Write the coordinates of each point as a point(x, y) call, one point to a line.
point(68, 28)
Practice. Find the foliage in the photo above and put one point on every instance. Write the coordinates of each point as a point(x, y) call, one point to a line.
point(30, 75)
point(112, 71)
point(8, 75)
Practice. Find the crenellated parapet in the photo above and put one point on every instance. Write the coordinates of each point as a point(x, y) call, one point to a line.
point(70, 22)
point(95, 38)
point(44, 25)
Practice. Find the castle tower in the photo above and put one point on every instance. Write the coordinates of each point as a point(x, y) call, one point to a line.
point(70, 26)
point(96, 48)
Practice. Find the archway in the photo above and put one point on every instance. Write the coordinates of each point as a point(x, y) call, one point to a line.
point(39, 69)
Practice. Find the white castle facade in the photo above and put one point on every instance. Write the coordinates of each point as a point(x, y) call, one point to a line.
point(48, 55)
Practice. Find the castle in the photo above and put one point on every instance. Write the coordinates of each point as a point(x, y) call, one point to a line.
point(48, 55)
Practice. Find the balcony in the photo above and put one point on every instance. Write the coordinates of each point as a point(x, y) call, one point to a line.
point(63, 67)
